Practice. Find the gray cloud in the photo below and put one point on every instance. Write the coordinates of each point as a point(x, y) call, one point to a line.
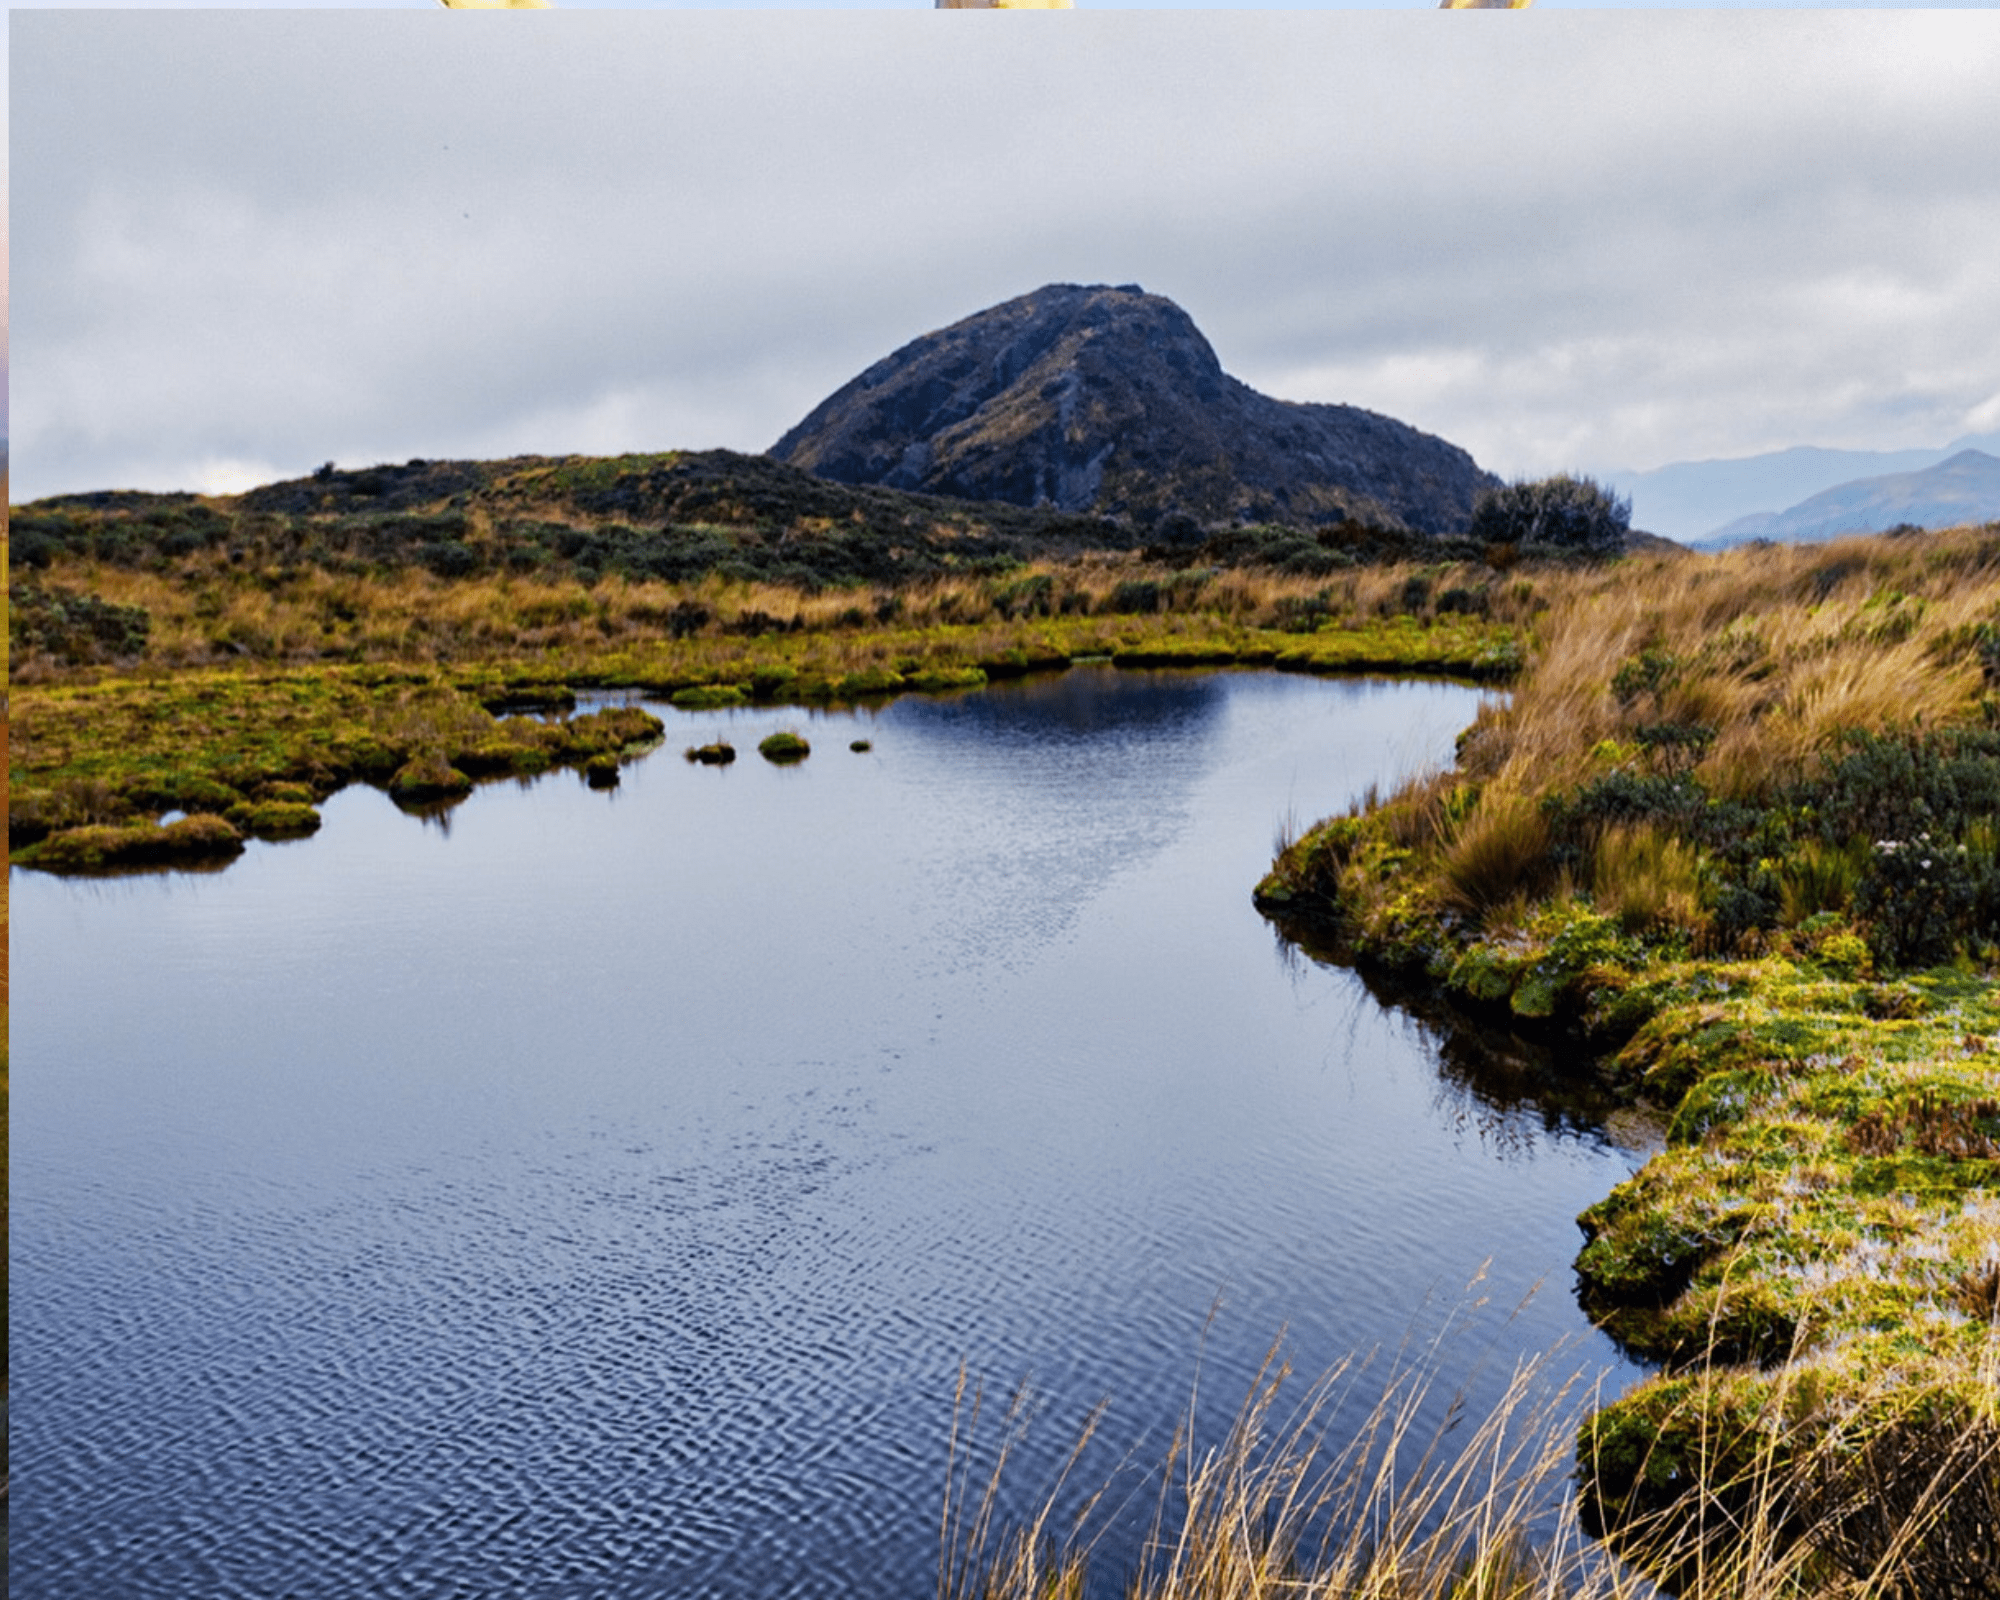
point(247, 242)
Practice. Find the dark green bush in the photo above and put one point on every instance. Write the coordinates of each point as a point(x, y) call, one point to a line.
point(74, 628)
point(1917, 896)
point(1564, 512)
point(448, 560)
point(1649, 672)
point(1888, 786)
point(1134, 596)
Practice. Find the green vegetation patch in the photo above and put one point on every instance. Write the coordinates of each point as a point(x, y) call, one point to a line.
point(274, 819)
point(71, 627)
point(259, 749)
point(102, 848)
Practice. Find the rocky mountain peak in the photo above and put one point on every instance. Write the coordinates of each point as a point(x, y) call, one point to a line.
point(1110, 400)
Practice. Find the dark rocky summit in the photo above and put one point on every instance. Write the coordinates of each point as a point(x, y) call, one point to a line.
point(1110, 401)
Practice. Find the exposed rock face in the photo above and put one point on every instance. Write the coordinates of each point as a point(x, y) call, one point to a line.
point(1109, 400)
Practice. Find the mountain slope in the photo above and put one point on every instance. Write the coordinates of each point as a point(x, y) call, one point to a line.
point(1965, 488)
point(1110, 400)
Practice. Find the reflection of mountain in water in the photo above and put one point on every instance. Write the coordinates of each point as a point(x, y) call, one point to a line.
point(1095, 771)
point(1081, 704)
point(1511, 1091)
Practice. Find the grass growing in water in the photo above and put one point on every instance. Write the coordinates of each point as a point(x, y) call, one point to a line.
point(1476, 1509)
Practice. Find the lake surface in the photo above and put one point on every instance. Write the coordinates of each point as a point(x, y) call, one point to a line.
point(597, 1194)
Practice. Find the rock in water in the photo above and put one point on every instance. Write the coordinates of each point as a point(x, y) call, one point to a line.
point(1109, 400)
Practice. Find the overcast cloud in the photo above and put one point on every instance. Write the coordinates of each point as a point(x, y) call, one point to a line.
point(248, 242)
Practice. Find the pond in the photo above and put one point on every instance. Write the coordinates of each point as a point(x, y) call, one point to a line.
point(598, 1193)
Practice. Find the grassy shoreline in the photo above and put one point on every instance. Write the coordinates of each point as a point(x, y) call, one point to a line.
point(98, 753)
point(1735, 836)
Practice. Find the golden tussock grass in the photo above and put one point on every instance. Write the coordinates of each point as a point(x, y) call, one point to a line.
point(206, 611)
point(1766, 655)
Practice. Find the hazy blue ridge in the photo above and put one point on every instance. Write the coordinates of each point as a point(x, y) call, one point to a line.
point(1963, 488)
point(1696, 500)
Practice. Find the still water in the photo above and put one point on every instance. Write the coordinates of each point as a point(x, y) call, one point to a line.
point(596, 1194)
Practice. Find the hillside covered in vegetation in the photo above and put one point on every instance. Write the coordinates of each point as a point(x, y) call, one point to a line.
point(670, 517)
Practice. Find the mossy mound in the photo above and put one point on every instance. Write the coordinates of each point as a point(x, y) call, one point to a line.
point(427, 778)
point(601, 772)
point(1901, 1478)
point(712, 755)
point(784, 748)
point(934, 680)
point(105, 848)
point(711, 696)
point(295, 794)
point(860, 746)
point(275, 819)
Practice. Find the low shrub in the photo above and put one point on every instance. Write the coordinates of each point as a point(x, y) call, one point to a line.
point(1565, 512)
point(75, 629)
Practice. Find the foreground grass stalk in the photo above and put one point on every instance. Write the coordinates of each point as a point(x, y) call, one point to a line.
point(1477, 1509)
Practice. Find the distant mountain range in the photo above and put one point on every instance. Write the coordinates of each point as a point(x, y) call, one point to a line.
point(1693, 501)
point(1963, 488)
point(1109, 401)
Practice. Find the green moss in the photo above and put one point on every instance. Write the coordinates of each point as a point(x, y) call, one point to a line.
point(275, 819)
point(936, 679)
point(710, 696)
point(784, 748)
point(196, 839)
point(295, 794)
point(426, 778)
point(718, 754)
point(870, 681)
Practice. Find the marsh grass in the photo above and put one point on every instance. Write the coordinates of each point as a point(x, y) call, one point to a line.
point(204, 610)
point(312, 677)
point(1300, 1499)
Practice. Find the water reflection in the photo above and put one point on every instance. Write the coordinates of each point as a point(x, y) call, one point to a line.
point(1510, 1091)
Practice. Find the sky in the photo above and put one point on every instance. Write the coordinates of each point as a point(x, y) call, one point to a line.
point(246, 242)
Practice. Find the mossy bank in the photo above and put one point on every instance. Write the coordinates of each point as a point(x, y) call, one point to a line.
point(99, 755)
point(1734, 837)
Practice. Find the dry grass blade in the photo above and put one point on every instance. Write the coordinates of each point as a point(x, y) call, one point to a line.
point(1478, 1507)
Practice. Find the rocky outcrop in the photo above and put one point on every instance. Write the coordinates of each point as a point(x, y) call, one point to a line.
point(1110, 401)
